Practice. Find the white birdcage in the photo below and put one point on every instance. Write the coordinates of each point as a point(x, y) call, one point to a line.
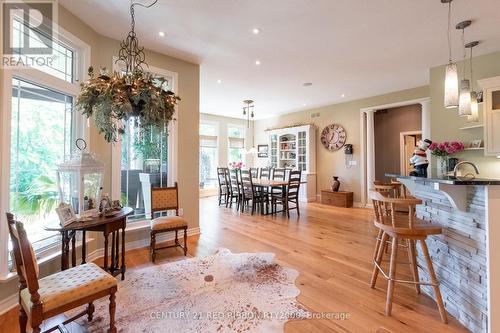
point(80, 181)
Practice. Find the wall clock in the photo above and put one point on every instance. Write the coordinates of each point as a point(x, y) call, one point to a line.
point(333, 137)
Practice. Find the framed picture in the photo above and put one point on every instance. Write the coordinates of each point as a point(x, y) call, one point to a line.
point(262, 151)
point(480, 97)
point(475, 143)
point(66, 214)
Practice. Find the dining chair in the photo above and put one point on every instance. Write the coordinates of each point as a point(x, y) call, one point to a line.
point(405, 229)
point(43, 298)
point(234, 188)
point(291, 194)
point(248, 191)
point(222, 180)
point(254, 172)
point(164, 199)
point(265, 173)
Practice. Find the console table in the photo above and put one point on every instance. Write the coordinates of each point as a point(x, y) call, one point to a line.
point(109, 224)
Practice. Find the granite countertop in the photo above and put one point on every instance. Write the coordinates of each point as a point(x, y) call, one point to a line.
point(448, 179)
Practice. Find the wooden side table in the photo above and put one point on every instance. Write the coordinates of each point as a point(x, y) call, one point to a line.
point(111, 224)
point(337, 199)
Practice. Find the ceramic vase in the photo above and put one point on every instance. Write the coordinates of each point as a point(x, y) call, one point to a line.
point(335, 184)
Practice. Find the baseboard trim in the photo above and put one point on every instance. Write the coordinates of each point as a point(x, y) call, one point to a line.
point(11, 301)
point(8, 303)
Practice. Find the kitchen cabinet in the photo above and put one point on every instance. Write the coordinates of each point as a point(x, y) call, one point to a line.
point(491, 115)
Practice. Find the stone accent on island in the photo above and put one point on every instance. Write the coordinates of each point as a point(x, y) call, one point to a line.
point(459, 254)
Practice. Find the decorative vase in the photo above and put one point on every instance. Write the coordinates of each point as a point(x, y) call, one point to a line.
point(335, 184)
point(442, 166)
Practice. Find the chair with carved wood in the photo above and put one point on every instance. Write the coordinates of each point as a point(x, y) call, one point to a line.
point(164, 199)
point(43, 298)
point(403, 229)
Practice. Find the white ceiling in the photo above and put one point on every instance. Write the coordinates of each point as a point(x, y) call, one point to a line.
point(359, 48)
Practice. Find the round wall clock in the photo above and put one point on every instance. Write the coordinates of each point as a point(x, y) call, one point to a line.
point(333, 137)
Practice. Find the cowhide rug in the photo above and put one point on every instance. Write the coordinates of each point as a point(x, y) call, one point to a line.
point(225, 292)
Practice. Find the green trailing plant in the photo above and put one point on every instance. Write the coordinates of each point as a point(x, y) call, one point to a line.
point(113, 100)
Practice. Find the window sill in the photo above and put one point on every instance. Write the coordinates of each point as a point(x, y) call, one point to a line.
point(9, 277)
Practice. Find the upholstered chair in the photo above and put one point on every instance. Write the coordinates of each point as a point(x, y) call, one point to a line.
point(166, 199)
point(43, 298)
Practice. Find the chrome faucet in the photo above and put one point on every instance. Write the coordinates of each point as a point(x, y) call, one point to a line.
point(455, 170)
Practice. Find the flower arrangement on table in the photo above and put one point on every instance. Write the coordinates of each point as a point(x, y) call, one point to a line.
point(446, 148)
point(236, 165)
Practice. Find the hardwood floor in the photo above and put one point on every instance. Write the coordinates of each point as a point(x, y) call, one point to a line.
point(331, 248)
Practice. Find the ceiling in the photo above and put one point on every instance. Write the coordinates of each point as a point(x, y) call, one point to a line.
point(350, 48)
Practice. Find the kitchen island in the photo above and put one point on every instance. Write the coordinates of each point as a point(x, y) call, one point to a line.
point(466, 255)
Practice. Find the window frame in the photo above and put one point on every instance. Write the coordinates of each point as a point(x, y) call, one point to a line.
point(172, 143)
point(81, 61)
point(215, 124)
point(243, 137)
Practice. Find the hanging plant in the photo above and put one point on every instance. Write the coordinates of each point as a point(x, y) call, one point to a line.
point(113, 100)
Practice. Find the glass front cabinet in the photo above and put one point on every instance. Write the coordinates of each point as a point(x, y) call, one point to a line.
point(294, 148)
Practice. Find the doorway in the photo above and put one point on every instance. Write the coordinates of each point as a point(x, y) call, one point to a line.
point(367, 139)
point(407, 145)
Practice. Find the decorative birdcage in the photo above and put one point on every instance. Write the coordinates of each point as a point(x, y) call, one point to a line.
point(80, 181)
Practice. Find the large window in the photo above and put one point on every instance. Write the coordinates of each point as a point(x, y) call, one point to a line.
point(208, 154)
point(39, 127)
point(236, 143)
point(42, 130)
point(143, 164)
point(142, 160)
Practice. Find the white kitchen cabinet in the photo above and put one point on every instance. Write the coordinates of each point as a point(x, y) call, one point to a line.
point(295, 148)
point(491, 115)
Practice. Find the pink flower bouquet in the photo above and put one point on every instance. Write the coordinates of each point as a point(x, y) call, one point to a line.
point(236, 165)
point(446, 148)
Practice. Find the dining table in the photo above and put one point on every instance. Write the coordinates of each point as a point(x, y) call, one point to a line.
point(265, 185)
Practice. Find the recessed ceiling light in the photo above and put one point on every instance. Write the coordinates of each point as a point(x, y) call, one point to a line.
point(304, 104)
point(161, 34)
point(257, 62)
point(219, 81)
point(307, 84)
point(343, 95)
point(256, 31)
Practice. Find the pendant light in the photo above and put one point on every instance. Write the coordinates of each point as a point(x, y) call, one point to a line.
point(474, 117)
point(249, 113)
point(464, 102)
point(451, 80)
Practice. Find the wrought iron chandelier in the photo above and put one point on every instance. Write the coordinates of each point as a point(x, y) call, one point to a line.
point(132, 93)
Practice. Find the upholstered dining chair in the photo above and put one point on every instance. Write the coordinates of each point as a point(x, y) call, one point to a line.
point(165, 199)
point(43, 298)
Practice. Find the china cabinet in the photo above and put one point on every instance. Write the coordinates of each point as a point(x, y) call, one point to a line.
point(295, 148)
point(491, 115)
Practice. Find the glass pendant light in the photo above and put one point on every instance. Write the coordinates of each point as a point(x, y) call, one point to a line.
point(474, 107)
point(451, 80)
point(464, 102)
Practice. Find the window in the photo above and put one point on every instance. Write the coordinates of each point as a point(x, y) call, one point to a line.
point(39, 130)
point(144, 164)
point(62, 65)
point(144, 160)
point(42, 130)
point(208, 155)
point(236, 143)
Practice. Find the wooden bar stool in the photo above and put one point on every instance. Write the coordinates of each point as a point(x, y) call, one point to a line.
point(403, 229)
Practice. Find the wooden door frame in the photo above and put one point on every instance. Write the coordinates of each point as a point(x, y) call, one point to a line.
point(401, 145)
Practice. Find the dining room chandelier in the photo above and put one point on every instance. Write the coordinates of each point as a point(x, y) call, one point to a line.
point(451, 80)
point(248, 112)
point(131, 93)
